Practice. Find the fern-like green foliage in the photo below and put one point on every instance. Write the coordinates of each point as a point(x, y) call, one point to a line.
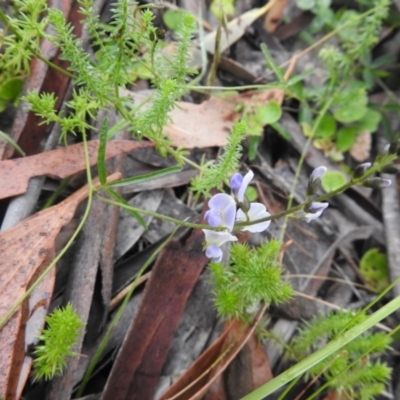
point(128, 43)
point(27, 28)
point(215, 174)
point(351, 370)
point(253, 276)
point(57, 339)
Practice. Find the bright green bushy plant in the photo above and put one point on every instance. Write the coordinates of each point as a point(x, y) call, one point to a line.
point(56, 341)
point(252, 276)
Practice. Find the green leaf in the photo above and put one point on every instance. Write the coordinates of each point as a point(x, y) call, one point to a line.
point(101, 156)
point(223, 8)
point(306, 128)
point(351, 104)
point(123, 201)
point(271, 62)
point(326, 128)
point(269, 113)
point(332, 180)
point(173, 19)
point(281, 130)
point(345, 138)
point(254, 142)
point(369, 122)
point(11, 89)
point(374, 269)
point(7, 138)
point(306, 4)
point(251, 193)
point(350, 113)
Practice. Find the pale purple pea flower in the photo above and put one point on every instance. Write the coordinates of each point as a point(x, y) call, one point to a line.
point(222, 211)
point(318, 173)
point(256, 211)
point(239, 184)
point(314, 211)
point(214, 240)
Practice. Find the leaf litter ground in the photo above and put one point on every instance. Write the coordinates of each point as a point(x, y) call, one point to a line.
point(169, 329)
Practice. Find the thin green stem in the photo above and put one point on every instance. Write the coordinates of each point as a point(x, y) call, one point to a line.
point(160, 216)
point(301, 161)
point(353, 182)
point(8, 315)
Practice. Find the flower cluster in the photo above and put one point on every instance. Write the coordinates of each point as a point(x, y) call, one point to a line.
point(314, 209)
point(226, 210)
point(223, 214)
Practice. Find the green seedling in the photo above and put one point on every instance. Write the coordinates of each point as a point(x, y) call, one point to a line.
point(374, 269)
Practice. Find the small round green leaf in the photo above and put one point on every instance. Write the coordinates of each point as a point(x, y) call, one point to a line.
point(369, 122)
point(374, 269)
point(269, 113)
point(326, 128)
point(350, 113)
point(345, 138)
point(251, 193)
point(332, 180)
point(172, 19)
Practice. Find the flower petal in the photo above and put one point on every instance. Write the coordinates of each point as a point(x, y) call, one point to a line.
point(213, 218)
point(214, 252)
point(246, 180)
point(218, 238)
point(222, 211)
point(318, 173)
point(220, 201)
point(256, 211)
point(317, 206)
point(236, 181)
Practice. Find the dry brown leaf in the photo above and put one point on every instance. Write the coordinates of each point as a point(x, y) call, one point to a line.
point(25, 249)
point(59, 163)
point(274, 16)
point(209, 123)
point(361, 149)
point(206, 370)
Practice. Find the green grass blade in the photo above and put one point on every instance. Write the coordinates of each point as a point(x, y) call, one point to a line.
point(13, 143)
point(146, 177)
point(272, 63)
point(124, 202)
point(101, 156)
point(331, 348)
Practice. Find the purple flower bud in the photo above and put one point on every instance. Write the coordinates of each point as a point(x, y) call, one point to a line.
point(236, 181)
point(313, 211)
point(239, 185)
point(317, 207)
point(377, 183)
point(391, 169)
point(318, 173)
point(360, 170)
point(315, 180)
point(394, 147)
